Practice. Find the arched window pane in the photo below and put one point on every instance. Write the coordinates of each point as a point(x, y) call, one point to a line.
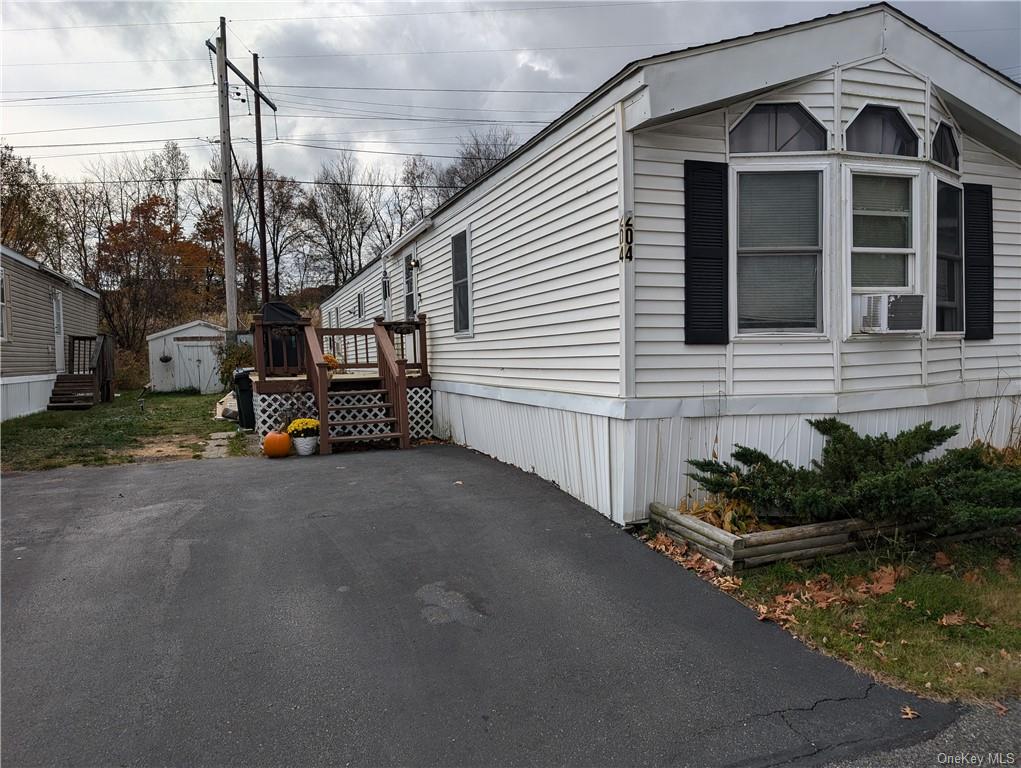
point(778, 128)
point(944, 148)
point(882, 131)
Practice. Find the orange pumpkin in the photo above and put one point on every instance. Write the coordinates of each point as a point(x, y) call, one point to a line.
point(276, 445)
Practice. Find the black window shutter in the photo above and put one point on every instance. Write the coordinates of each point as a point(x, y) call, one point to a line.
point(978, 261)
point(705, 253)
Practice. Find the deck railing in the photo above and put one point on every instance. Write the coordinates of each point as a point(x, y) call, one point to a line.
point(93, 356)
point(290, 349)
point(394, 375)
point(79, 354)
point(353, 347)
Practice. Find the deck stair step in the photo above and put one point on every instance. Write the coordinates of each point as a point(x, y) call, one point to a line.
point(72, 392)
point(364, 438)
point(360, 422)
point(361, 407)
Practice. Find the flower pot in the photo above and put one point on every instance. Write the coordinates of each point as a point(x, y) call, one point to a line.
point(306, 446)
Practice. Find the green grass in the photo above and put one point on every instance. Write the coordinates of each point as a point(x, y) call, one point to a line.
point(897, 636)
point(238, 445)
point(106, 433)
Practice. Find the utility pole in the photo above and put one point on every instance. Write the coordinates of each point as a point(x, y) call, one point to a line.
point(261, 181)
point(226, 185)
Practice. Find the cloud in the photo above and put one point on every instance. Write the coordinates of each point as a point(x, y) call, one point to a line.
point(298, 51)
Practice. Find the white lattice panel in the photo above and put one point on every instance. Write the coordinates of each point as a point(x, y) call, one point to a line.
point(420, 412)
point(269, 409)
point(372, 408)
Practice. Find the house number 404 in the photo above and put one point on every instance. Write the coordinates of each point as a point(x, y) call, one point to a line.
point(627, 238)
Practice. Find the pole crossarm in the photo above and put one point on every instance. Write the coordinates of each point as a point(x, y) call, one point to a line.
point(251, 86)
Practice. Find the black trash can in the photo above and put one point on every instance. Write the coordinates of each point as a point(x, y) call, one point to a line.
point(243, 394)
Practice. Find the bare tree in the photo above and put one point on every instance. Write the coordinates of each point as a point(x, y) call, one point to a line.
point(479, 152)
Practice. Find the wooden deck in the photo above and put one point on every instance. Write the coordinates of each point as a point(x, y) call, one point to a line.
point(381, 361)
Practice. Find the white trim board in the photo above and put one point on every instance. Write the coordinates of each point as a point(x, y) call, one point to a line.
point(692, 407)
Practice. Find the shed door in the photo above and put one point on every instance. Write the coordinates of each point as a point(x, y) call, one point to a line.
point(196, 366)
point(58, 329)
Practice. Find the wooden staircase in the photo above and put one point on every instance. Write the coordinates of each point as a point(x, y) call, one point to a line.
point(360, 429)
point(73, 392)
point(90, 375)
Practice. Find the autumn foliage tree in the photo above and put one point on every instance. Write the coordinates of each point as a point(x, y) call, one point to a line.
point(140, 271)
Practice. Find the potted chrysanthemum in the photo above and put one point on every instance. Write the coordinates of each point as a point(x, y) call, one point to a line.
point(305, 434)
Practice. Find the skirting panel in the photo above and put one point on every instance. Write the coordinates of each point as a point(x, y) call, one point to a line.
point(24, 395)
point(270, 412)
point(663, 446)
point(571, 450)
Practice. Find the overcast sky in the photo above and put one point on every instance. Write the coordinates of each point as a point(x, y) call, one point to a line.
point(52, 49)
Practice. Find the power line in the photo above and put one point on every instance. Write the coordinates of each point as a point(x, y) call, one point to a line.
point(84, 93)
point(110, 125)
point(412, 106)
point(599, 46)
point(480, 121)
point(351, 16)
point(427, 90)
point(278, 180)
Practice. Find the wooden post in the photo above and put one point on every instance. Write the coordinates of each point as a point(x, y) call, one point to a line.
point(260, 350)
point(423, 356)
point(402, 405)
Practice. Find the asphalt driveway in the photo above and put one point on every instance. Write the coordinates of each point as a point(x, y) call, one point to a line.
point(425, 607)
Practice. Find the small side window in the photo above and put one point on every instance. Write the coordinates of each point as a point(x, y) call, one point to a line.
point(5, 307)
point(778, 128)
point(460, 259)
point(360, 306)
point(882, 131)
point(410, 299)
point(944, 148)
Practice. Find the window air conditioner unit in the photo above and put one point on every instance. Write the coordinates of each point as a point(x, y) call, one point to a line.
point(892, 313)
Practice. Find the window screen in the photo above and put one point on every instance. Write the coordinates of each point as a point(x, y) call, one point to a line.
point(779, 249)
point(949, 259)
point(882, 131)
point(409, 287)
point(944, 148)
point(881, 226)
point(459, 266)
point(777, 128)
point(3, 305)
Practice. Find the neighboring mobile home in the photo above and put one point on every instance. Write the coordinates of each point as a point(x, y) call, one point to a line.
point(718, 244)
point(48, 329)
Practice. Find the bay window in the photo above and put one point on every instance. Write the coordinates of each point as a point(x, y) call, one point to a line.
point(779, 250)
point(882, 249)
point(949, 259)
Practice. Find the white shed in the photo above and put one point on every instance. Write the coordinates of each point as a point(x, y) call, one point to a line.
point(184, 357)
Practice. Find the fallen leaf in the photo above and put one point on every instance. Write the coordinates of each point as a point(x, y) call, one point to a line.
point(859, 647)
point(909, 604)
point(954, 619)
point(1003, 566)
point(973, 576)
point(942, 561)
point(882, 581)
point(1004, 654)
point(980, 623)
point(1000, 709)
point(958, 665)
point(728, 583)
point(907, 713)
point(980, 670)
point(459, 482)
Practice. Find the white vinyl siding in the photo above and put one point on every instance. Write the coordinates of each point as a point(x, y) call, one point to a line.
point(816, 95)
point(664, 365)
point(341, 309)
point(884, 83)
point(545, 276)
point(999, 357)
